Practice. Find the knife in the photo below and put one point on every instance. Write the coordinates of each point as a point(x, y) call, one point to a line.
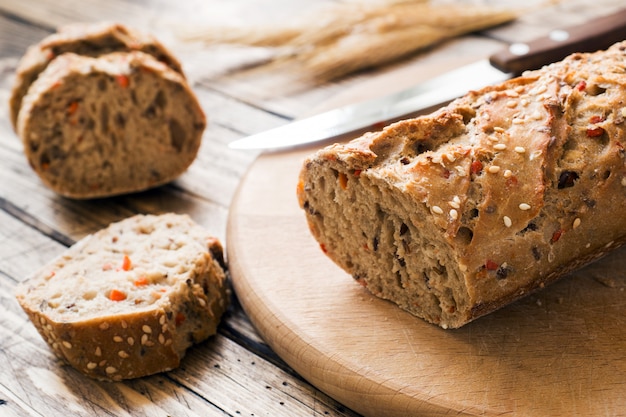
point(599, 33)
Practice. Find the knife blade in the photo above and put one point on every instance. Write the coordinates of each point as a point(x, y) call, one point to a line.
point(373, 114)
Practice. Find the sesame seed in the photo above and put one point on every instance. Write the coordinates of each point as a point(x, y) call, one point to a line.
point(623, 111)
point(511, 104)
point(42, 320)
point(124, 324)
point(498, 129)
point(144, 339)
point(437, 210)
point(122, 354)
point(454, 204)
point(494, 138)
point(201, 302)
point(540, 90)
point(493, 169)
point(104, 326)
point(499, 147)
point(520, 149)
point(624, 181)
point(463, 267)
point(507, 221)
point(67, 344)
point(168, 342)
point(110, 370)
point(117, 339)
point(164, 328)
point(519, 89)
point(449, 157)
point(537, 116)
point(130, 341)
point(454, 214)
point(161, 338)
point(162, 320)
point(91, 365)
point(518, 120)
point(146, 329)
point(102, 363)
point(98, 351)
point(524, 206)
point(524, 102)
point(508, 173)
point(576, 222)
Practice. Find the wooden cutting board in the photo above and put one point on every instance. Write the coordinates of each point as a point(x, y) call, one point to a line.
point(560, 352)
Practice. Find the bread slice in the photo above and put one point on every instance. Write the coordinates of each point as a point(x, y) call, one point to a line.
point(130, 299)
point(88, 39)
point(455, 214)
point(116, 124)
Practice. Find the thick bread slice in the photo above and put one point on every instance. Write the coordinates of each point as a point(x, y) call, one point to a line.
point(455, 214)
point(119, 123)
point(130, 299)
point(89, 39)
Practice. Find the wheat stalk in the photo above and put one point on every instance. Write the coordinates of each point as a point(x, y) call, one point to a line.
point(351, 36)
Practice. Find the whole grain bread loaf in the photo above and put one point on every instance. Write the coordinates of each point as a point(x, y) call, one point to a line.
point(88, 39)
point(455, 214)
point(130, 299)
point(120, 123)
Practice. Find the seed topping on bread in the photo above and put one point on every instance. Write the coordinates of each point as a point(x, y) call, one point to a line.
point(485, 200)
point(129, 300)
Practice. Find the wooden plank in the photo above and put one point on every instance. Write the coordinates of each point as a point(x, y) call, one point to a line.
point(248, 386)
point(15, 36)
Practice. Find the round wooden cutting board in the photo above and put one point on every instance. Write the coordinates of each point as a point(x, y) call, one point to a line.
point(560, 352)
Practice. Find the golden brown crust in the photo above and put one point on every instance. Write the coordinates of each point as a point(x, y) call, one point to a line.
point(88, 39)
point(480, 203)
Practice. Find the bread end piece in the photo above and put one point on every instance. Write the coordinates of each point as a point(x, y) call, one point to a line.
point(116, 124)
point(86, 39)
point(458, 213)
point(129, 300)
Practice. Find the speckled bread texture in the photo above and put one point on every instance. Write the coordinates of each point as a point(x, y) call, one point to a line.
point(88, 39)
point(455, 214)
point(130, 299)
point(116, 124)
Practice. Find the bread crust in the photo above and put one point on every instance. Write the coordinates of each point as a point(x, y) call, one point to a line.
point(179, 300)
point(458, 213)
point(88, 39)
point(116, 124)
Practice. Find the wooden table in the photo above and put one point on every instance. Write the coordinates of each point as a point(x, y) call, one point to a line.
point(235, 373)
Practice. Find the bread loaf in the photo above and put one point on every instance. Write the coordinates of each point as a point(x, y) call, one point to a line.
point(88, 39)
point(119, 123)
point(455, 214)
point(130, 299)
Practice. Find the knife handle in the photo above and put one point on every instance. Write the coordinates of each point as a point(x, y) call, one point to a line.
point(599, 33)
